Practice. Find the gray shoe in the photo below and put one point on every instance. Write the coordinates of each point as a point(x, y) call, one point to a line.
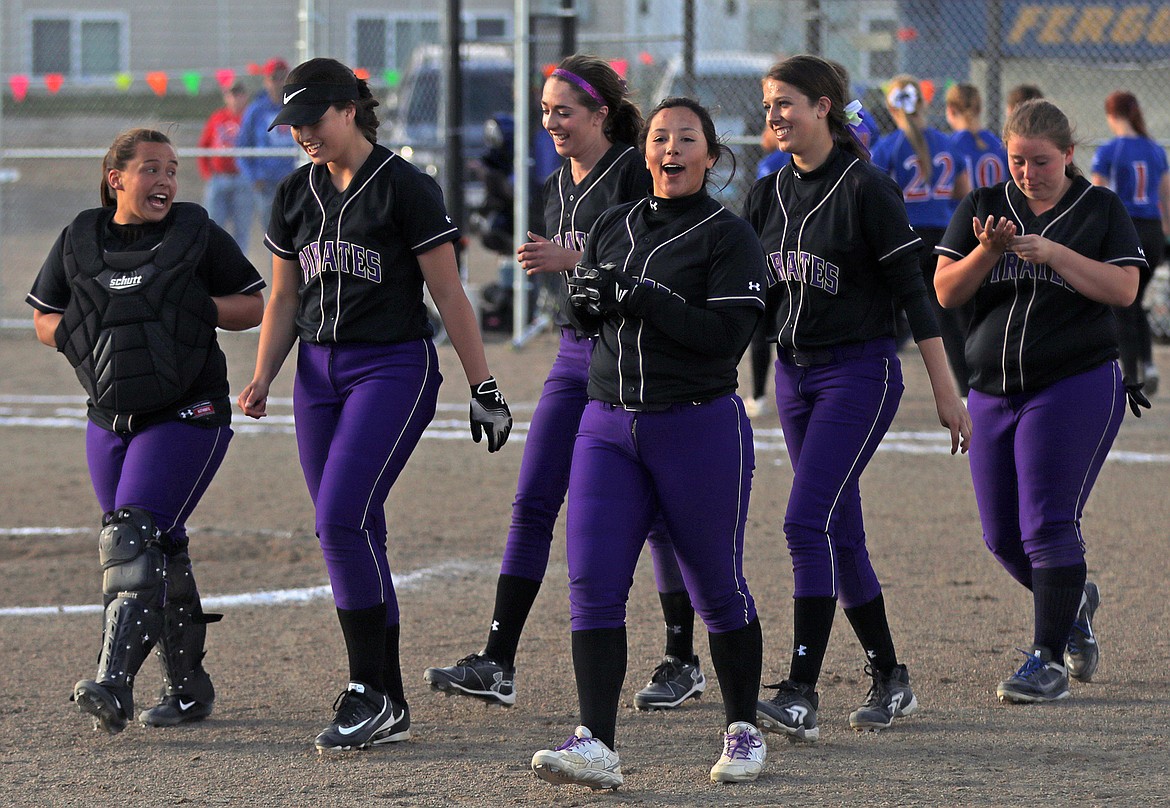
point(478, 676)
point(673, 682)
point(889, 697)
point(1038, 680)
point(792, 711)
point(1081, 654)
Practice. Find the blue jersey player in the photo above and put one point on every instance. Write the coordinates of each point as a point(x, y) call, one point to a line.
point(1134, 166)
point(932, 177)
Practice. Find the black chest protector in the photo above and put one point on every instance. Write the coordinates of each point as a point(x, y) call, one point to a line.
point(140, 323)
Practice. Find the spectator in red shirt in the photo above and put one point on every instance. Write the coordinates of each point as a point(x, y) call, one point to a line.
point(227, 194)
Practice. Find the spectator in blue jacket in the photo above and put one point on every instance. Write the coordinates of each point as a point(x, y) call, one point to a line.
point(265, 172)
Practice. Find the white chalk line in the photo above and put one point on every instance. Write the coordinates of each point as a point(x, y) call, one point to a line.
point(69, 413)
point(402, 583)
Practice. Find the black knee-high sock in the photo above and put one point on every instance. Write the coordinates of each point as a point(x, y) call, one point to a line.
point(1056, 596)
point(738, 657)
point(599, 662)
point(812, 622)
point(514, 599)
point(392, 667)
point(365, 643)
point(873, 631)
point(679, 615)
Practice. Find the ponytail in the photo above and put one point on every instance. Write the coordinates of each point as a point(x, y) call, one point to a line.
point(905, 97)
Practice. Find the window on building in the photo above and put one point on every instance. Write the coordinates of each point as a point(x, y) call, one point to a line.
point(879, 55)
point(80, 45)
point(386, 41)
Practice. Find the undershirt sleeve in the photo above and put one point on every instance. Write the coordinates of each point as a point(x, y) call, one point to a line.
point(712, 332)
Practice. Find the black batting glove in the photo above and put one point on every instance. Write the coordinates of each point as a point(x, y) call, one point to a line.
point(585, 289)
point(601, 290)
point(1136, 398)
point(490, 414)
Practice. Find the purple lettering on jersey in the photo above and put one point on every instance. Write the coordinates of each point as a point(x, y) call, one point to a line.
point(776, 266)
point(832, 273)
point(328, 257)
point(358, 261)
point(345, 257)
point(340, 256)
point(310, 261)
point(571, 241)
point(1005, 268)
point(791, 271)
point(814, 270)
point(1011, 268)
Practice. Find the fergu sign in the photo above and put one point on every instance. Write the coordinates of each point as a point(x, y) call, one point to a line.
point(1112, 30)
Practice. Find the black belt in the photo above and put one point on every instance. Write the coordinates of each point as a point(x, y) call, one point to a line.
point(658, 406)
point(809, 357)
point(804, 359)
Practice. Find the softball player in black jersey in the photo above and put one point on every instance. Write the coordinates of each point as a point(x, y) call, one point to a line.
point(355, 234)
point(591, 121)
point(1043, 256)
point(131, 293)
point(843, 255)
point(675, 283)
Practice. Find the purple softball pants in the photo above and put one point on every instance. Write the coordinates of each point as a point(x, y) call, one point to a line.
point(164, 469)
point(544, 472)
point(360, 409)
point(1034, 459)
point(693, 462)
point(834, 416)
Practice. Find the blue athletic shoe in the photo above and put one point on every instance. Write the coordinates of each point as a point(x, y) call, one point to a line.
point(1038, 680)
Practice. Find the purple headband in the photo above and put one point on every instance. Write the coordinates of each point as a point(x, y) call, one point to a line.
point(561, 73)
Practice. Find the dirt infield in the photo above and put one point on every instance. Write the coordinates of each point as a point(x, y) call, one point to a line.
point(278, 665)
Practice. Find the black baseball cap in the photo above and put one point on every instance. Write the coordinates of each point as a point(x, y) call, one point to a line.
point(304, 104)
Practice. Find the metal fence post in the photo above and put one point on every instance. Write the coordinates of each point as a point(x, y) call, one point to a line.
point(453, 133)
point(520, 169)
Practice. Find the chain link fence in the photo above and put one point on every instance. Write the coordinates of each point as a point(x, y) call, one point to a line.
point(71, 84)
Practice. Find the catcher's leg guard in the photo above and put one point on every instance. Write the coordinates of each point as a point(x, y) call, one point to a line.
point(187, 693)
point(133, 567)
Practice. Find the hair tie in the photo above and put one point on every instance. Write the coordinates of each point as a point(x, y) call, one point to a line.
point(904, 98)
point(852, 113)
point(855, 127)
point(561, 73)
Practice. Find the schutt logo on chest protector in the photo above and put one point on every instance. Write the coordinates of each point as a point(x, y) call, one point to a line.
point(140, 324)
